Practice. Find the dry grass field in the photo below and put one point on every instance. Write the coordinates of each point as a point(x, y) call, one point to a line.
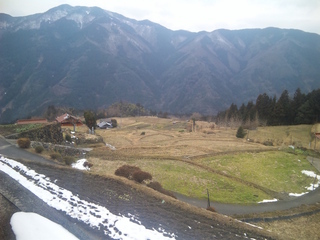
point(213, 158)
point(240, 171)
point(209, 158)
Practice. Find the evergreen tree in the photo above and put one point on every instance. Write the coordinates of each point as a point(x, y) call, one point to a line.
point(298, 100)
point(264, 107)
point(90, 119)
point(240, 133)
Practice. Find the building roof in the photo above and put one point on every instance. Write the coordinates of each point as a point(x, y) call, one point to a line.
point(32, 120)
point(67, 118)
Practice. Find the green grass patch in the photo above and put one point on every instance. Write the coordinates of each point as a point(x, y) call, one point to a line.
point(277, 170)
point(193, 181)
point(15, 128)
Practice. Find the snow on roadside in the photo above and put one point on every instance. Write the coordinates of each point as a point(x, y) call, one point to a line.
point(96, 216)
point(80, 165)
point(29, 225)
point(268, 200)
point(312, 186)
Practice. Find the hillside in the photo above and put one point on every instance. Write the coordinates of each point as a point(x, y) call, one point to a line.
point(90, 58)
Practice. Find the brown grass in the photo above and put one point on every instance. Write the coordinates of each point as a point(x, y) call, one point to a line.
point(168, 139)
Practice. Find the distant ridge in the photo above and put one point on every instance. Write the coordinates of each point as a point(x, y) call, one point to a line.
point(89, 58)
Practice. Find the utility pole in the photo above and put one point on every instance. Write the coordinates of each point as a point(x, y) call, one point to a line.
point(208, 204)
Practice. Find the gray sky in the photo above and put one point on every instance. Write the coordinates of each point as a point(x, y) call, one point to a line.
point(195, 15)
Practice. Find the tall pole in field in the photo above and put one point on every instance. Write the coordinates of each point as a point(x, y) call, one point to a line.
point(208, 205)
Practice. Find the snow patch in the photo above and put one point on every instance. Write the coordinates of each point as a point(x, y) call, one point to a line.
point(28, 226)
point(268, 200)
point(80, 165)
point(312, 186)
point(94, 215)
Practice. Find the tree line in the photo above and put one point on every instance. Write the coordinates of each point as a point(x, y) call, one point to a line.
point(270, 111)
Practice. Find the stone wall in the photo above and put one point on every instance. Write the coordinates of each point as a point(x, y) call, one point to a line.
point(62, 149)
point(49, 133)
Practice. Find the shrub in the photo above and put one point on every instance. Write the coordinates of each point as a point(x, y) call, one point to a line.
point(268, 143)
point(68, 160)
point(143, 133)
point(39, 149)
point(68, 138)
point(240, 133)
point(87, 164)
point(211, 209)
point(140, 176)
point(126, 171)
point(157, 186)
point(23, 142)
point(114, 123)
point(55, 156)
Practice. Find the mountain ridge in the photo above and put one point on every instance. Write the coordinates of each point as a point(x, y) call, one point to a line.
point(87, 57)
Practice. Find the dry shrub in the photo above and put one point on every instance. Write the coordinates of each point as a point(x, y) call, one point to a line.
point(55, 156)
point(211, 209)
point(23, 142)
point(68, 160)
point(140, 176)
point(87, 164)
point(158, 187)
point(126, 171)
point(39, 149)
point(268, 143)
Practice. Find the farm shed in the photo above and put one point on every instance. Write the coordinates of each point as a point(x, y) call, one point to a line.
point(104, 124)
point(69, 120)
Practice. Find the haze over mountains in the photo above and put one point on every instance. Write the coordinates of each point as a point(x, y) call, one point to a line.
point(89, 58)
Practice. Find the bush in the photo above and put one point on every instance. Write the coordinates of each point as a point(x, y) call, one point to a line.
point(55, 156)
point(268, 143)
point(126, 171)
point(211, 209)
point(68, 138)
point(23, 142)
point(114, 123)
point(39, 149)
point(240, 133)
point(140, 176)
point(68, 160)
point(143, 133)
point(87, 164)
point(157, 186)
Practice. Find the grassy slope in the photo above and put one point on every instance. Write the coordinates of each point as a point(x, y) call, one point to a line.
point(210, 158)
point(160, 146)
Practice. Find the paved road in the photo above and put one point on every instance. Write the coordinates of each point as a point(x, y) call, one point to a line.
point(9, 148)
point(150, 211)
point(233, 209)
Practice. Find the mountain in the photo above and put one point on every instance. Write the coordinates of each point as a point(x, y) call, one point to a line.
point(89, 58)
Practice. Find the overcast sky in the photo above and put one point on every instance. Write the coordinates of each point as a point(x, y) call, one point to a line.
point(195, 15)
